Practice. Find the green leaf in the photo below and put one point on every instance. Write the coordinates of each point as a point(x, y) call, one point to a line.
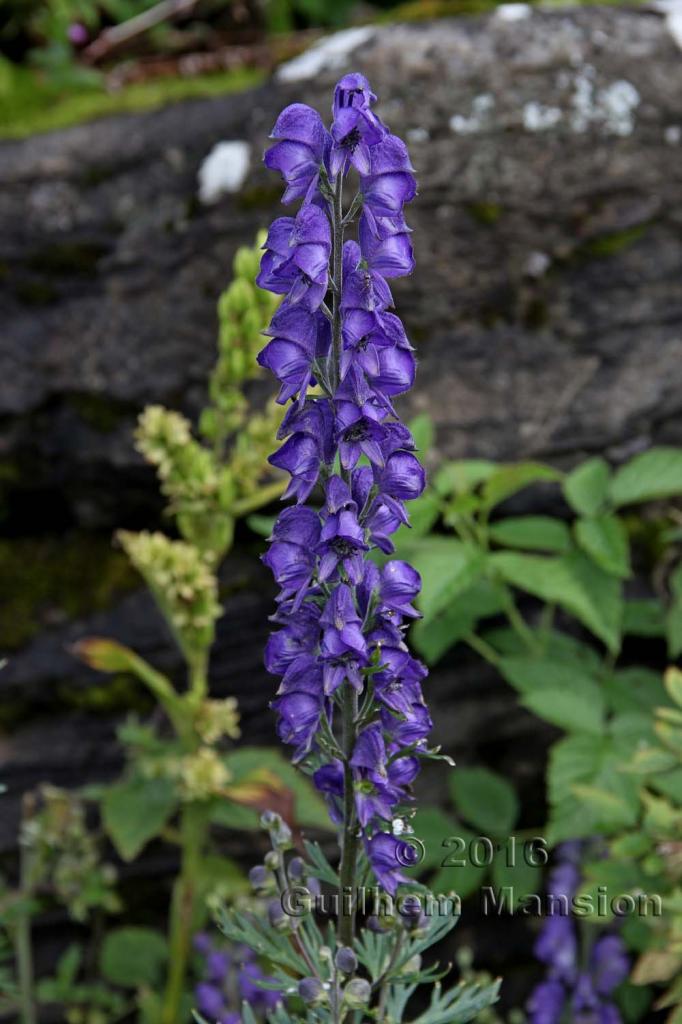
point(434, 636)
point(133, 956)
point(608, 805)
point(523, 878)
point(447, 568)
point(485, 799)
point(431, 827)
point(586, 488)
point(576, 711)
point(508, 480)
point(536, 533)
point(309, 808)
point(462, 476)
point(421, 428)
point(633, 689)
point(673, 619)
point(653, 474)
point(530, 675)
point(605, 540)
point(424, 512)
point(644, 617)
point(574, 583)
point(673, 684)
point(135, 810)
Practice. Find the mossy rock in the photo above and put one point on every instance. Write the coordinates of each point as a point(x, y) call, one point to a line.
point(51, 580)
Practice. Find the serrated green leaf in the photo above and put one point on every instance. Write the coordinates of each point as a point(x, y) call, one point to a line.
point(462, 476)
point(424, 512)
point(133, 956)
point(135, 810)
point(586, 487)
point(608, 805)
point(534, 533)
point(484, 799)
point(529, 675)
point(580, 710)
point(651, 475)
point(447, 567)
point(645, 617)
point(431, 826)
point(434, 636)
point(673, 684)
point(605, 540)
point(574, 583)
point(633, 689)
point(509, 480)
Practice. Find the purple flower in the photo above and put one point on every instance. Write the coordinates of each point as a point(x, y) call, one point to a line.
point(342, 540)
point(609, 963)
point(210, 1000)
point(390, 182)
point(359, 433)
point(296, 258)
point(299, 339)
point(299, 154)
point(343, 648)
point(546, 1002)
point(385, 245)
point(363, 288)
point(557, 946)
point(355, 128)
point(77, 34)
point(400, 584)
point(386, 856)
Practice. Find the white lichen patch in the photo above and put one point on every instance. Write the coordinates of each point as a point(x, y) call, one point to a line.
point(328, 53)
point(513, 12)
point(539, 118)
point(673, 134)
point(611, 108)
point(479, 119)
point(223, 171)
point(673, 18)
point(418, 135)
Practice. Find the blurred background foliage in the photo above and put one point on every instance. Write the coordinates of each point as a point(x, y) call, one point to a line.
point(66, 61)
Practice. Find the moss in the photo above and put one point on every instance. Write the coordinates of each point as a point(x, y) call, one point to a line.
point(485, 213)
point(29, 107)
point(67, 258)
point(35, 293)
point(115, 693)
point(52, 579)
point(612, 243)
point(99, 412)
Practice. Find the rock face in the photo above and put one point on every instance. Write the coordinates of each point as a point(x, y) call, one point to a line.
point(546, 303)
point(546, 307)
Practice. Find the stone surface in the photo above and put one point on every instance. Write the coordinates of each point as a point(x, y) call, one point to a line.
point(546, 307)
point(546, 304)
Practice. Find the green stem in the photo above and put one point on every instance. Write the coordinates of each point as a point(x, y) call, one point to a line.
point(22, 939)
point(349, 848)
point(519, 625)
point(483, 648)
point(263, 496)
point(183, 914)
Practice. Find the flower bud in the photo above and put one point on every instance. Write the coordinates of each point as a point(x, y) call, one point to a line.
point(311, 991)
point(346, 960)
point(296, 868)
point(270, 820)
point(280, 921)
point(357, 993)
point(260, 878)
point(281, 837)
point(273, 860)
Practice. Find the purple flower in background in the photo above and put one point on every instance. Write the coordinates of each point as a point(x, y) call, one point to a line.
point(299, 153)
point(77, 34)
point(587, 991)
point(340, 620)
point(228, 975)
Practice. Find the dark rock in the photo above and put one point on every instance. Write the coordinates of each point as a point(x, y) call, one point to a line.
point(546, 303)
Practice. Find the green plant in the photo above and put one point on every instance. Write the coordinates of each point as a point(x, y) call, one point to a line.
point(549, 601)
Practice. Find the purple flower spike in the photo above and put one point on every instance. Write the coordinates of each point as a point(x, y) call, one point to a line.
point(546, 1003)
point(341, 622)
